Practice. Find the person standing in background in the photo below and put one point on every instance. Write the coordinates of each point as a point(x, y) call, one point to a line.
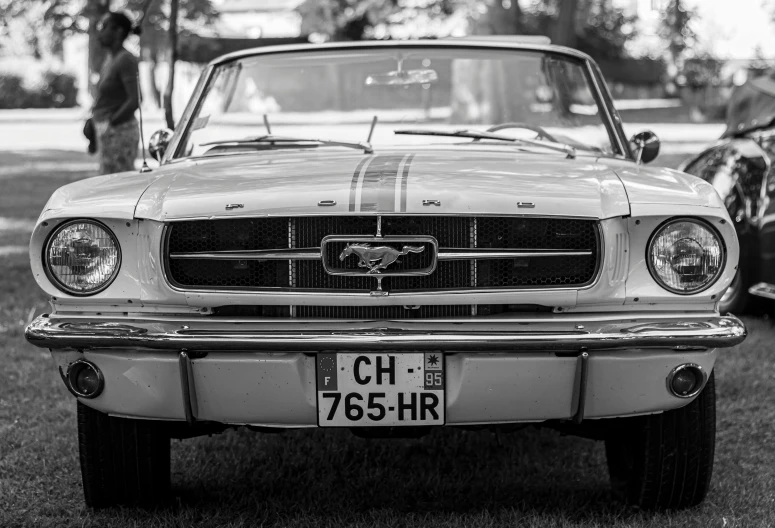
point(117, 98)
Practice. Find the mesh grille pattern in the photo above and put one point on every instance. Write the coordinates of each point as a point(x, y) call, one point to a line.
point(536, 233)
point(374, 312)
point(229, 235)
point(382, 312)
point(451, 232)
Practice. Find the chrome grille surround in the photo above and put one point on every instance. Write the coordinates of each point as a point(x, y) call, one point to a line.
point(306, 274)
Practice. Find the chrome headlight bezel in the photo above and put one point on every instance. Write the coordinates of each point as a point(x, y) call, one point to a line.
point(53, 277)
point(664, 226)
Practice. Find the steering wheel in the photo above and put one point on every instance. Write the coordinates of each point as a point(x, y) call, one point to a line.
point(535, 128)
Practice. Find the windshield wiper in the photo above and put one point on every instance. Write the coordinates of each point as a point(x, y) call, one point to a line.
point(271, 139)
point(569, 151)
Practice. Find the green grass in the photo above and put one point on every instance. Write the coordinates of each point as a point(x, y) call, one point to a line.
point(330, 478)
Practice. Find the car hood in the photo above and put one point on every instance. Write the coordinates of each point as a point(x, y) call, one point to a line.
point(659, 185)
point(413, 182)
point(109, 196)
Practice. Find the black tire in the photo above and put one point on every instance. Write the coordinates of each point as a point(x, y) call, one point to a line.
point(123, 461)
point(736, 299)
point(665, 461)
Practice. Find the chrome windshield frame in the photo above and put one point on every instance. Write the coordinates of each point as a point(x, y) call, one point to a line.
point(608, 116)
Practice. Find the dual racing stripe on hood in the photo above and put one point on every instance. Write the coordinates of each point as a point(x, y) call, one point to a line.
point(379, 183)
point(327, 182)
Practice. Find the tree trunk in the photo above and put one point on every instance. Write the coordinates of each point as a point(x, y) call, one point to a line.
point(94, 11)
point(480, 89)
point(173, 46)
point(150, 86)
point(564, 32)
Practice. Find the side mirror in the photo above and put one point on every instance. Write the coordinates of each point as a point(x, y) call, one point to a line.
point(645, 146)
point(157, 146)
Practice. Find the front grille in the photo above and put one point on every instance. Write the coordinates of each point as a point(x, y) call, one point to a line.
point(375, 312)
point(452, 232)
point(382, 312)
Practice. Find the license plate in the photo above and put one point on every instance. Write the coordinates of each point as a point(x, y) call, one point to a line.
point(385, 389)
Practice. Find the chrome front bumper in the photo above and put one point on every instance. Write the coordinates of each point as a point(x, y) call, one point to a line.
point(556, 332)
point(529, 368)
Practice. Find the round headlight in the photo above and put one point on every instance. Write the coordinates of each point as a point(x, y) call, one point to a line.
point(685, 256)
point(82, 257)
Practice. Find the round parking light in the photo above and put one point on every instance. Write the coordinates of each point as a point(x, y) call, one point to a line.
point(85, 379)
point(686, 381)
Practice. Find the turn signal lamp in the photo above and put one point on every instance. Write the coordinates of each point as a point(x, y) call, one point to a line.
point(85, 379)
point(685, 381)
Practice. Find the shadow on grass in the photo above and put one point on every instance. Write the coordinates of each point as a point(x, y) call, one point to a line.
point(332, 477)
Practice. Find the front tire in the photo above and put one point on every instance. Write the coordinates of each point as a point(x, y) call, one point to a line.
point(665, 461)
point(123, 461)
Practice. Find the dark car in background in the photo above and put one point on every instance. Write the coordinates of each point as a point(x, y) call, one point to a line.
point(739, 167)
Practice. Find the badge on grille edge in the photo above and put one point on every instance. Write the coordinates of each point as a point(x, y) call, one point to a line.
point(376, 254)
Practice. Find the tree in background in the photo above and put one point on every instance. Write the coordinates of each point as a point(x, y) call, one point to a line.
point(676, 31)
point(689, 72)
point(593, 26)
point(49, 22)
point(155, 46)
point(93, 11)
point(596, 27)
point(337, 20)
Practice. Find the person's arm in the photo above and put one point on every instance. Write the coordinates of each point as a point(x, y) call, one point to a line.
point(127, 69)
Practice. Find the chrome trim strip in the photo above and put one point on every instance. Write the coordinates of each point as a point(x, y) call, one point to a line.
point(187, 384)
point(604, 98)
point(472, 241)
point(582, 393)
point(316, 213)
point(208, 334)
point(315, 253)
point(253, 254)
point(185, 122)
point(376, 44)
point(291, 263)
point(763, 289)
point(491, 254)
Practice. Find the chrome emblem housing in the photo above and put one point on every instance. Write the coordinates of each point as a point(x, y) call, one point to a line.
point(377, 258)
point(377, 254)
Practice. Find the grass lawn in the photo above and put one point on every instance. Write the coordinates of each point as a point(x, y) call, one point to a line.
point(330, 478)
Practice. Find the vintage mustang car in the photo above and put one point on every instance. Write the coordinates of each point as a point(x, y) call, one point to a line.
point(390, 237)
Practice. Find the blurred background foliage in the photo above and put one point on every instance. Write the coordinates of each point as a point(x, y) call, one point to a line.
point(39, 30)
point(594, 26)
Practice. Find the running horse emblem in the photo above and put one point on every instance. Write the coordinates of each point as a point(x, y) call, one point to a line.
point(377, 258)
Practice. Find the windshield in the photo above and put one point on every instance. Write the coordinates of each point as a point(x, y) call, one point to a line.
point(317, 99)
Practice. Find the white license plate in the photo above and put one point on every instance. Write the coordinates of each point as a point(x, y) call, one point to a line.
point(380, 389)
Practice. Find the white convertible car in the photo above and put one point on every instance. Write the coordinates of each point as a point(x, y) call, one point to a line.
point(391, 237)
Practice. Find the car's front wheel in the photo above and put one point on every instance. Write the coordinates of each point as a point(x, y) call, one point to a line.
point(123, 461)
point(665, 461)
